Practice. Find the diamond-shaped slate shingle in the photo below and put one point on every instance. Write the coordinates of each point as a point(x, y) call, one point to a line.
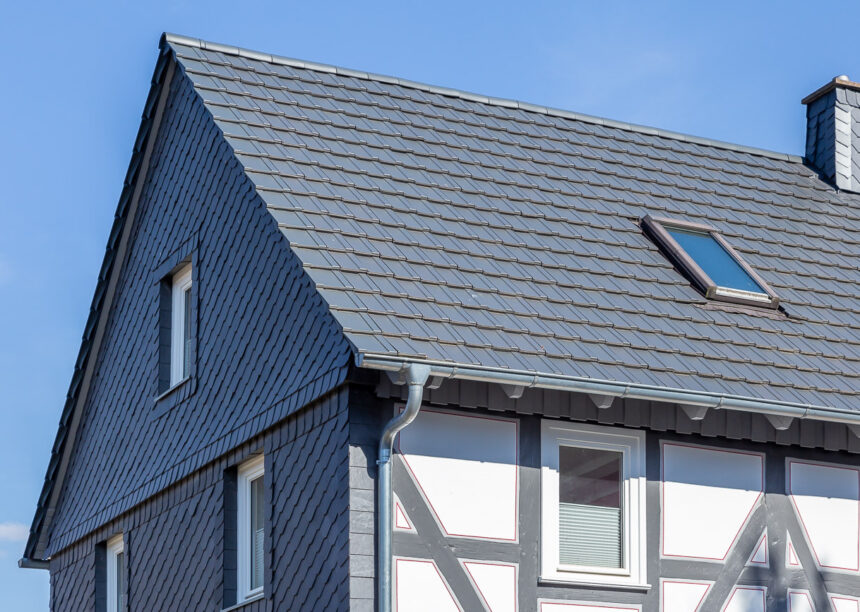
point(445, 226)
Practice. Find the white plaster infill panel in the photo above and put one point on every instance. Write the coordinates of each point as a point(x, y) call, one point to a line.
point(495, 582)
point(682, 595)
point(707, 497)
point(466, 468)
point(800, 601)
point(420, 587)
point(844, 603)
point(759, 556)
point(401, 518)
point(790, 556)
point(826, 499)
point(546, 605)
point(746, 599)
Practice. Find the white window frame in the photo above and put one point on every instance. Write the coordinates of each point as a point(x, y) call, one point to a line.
point(180, 283)
point(631, 444)
point(248, 471)
point(115, 546)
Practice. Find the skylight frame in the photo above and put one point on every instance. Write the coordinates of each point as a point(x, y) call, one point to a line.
point(655, 228)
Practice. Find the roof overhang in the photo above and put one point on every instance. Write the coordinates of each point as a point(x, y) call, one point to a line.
point(777, 412)
point(37, 543)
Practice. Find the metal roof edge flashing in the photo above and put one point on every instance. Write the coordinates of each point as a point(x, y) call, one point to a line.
point(768, 408)
point(102, 300)
point(474, 97)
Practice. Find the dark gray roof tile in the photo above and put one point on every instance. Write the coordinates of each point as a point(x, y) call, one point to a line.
point(448, 228)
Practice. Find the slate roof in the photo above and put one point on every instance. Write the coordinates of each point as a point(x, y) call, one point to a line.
point(448, 226)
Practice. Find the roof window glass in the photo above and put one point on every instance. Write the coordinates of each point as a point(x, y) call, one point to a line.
point(711, 264)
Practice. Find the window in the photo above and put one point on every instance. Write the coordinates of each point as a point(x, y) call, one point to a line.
point(180, 325)
point(713, 266)
point(250, 532)
point(115, 578)
point(592, 504)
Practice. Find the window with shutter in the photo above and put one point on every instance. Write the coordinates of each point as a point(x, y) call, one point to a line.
point(593, 506)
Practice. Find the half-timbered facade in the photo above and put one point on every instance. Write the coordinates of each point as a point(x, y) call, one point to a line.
point(366, 344)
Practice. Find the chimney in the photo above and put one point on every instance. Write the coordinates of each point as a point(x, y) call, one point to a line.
point(833, 132)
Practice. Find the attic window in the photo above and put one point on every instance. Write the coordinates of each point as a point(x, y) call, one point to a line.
point(711, 264)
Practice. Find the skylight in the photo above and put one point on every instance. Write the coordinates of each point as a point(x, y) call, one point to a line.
point(711, 264)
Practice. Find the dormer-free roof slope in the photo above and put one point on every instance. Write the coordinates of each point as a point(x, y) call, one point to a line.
point(445, 226)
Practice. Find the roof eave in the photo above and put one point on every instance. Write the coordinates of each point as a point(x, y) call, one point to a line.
point(688, 397)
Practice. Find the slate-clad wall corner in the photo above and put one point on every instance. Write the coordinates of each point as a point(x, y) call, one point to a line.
point(367, 417)
point(266, 344)
point(175, 539)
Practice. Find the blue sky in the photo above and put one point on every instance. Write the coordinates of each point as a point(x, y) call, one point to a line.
point(76, 76)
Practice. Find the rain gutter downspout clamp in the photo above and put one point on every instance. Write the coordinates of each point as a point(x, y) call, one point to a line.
point(416, 375)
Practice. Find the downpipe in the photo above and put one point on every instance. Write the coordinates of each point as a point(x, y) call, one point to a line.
point(416, 377)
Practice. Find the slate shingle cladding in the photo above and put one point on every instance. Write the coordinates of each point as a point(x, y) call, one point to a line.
point(266, 345)
point(833, 134)
point(440, 226)
point(175, 540)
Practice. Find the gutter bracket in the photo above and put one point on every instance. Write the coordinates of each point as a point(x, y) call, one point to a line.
point(513, 391)
point(779, 422)
point(854, 428)
point(397, 378)
point(695, 413)
point(602, 401)
point(435, 382)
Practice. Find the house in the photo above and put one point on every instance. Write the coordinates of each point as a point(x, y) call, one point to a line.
point(360, 343)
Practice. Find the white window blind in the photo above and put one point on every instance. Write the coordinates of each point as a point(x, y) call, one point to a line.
point(589, 536)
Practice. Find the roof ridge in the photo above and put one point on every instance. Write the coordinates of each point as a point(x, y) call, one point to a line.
point(473, 97)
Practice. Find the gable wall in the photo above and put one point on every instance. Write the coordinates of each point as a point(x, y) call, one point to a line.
point(175, 540)
point(265, 344)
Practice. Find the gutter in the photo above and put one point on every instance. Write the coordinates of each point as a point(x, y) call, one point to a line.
point(775, 411)
point(416, 376)
point(25, 563)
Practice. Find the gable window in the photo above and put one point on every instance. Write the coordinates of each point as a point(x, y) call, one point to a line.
point(180, 325)
point(711, 264)
point(115, 575)
point(250, 529)
point(593, 504)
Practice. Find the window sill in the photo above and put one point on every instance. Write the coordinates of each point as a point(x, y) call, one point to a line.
point(174, 396)
point(244, 603)
point(173, 388)
point(615, 586)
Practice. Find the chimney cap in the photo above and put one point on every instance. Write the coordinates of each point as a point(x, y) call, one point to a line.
point(840, 81)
